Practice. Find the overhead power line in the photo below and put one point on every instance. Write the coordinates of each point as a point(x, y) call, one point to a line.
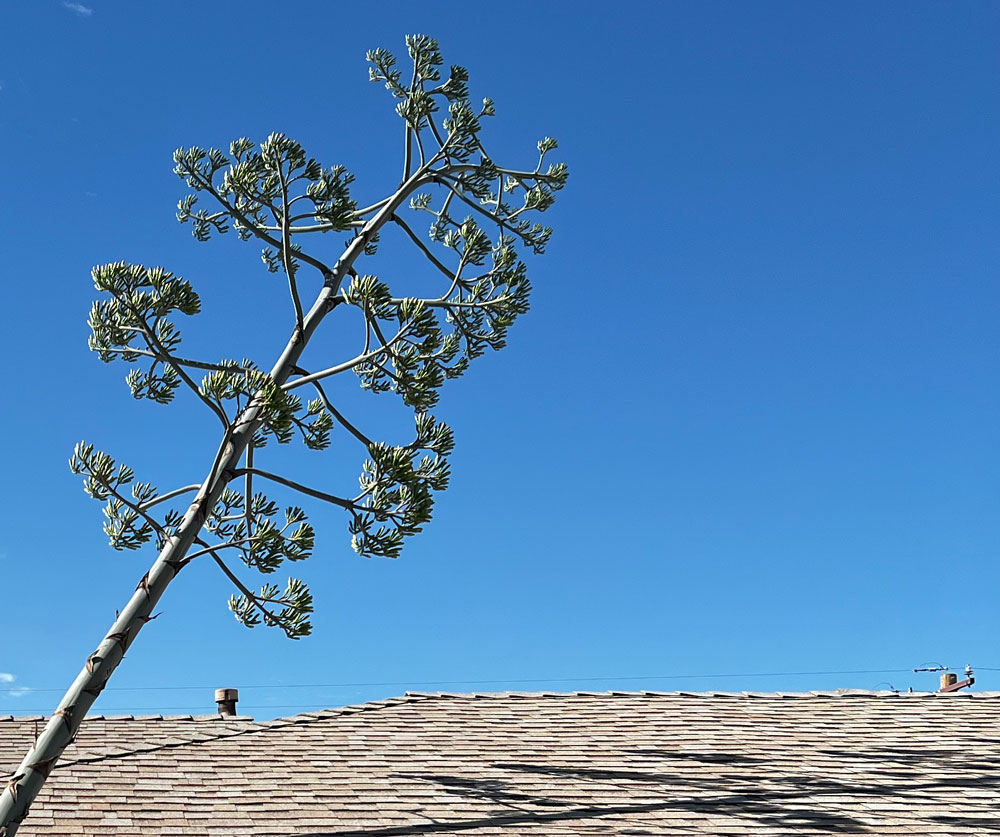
point(493, 682)
point(159, 710)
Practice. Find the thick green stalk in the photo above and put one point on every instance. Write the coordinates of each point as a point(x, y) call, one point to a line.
point(59, 732)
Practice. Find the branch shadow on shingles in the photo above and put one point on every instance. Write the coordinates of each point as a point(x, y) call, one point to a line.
point(763, 806)
point(704, 758)
point(921, 757)
point(765, 813)
point(488, 789)
point(257, 729)
point(782, 803)
point(975, 823)
point(750, 799)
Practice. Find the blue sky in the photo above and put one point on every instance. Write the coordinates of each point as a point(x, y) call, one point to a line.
point(749, 426)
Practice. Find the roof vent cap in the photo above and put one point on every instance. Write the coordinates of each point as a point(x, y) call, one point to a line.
point(226, 700)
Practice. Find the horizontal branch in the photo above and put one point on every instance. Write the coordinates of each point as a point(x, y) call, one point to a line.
point(312, 228)
point(447, 303)
point(183, 361)
point(525, 175)
point(303, 489)
point(212, 549)
point(168, 496)
point(362, 212)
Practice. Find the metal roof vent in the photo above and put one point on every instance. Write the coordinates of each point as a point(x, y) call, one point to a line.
point(226, 700)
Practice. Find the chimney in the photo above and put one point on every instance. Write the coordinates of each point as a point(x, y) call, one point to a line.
point(226, 699)
point(949, 678)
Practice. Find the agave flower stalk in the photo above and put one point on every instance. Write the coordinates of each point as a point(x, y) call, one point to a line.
point(275, 194)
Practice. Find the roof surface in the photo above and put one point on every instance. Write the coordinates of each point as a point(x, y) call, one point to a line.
point(538, 764)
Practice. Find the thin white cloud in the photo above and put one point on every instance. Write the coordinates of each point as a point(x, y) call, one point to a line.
point(18, 691)
point(79, 9)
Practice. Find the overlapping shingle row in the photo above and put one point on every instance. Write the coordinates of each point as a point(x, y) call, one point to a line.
point(538, 764)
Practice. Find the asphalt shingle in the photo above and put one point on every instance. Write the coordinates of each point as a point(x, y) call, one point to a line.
point(645, 763)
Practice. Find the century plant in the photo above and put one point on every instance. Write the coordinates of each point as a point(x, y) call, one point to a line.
point(479, 213)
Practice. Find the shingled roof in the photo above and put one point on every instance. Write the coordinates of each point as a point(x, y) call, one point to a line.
point(537, 764)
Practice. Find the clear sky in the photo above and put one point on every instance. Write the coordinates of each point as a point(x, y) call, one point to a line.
point(750, 425)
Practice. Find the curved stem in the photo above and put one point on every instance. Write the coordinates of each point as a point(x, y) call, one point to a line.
point(423, 247)
point(169, 496)
point(302, 489)
point(333, 411)
point(250, 595)
point(362, 212)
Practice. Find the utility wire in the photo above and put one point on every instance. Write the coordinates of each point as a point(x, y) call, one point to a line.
point(499, 681)
point(412, 683)
point(159, 710)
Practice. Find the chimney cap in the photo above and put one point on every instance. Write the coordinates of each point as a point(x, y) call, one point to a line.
point(226, 700)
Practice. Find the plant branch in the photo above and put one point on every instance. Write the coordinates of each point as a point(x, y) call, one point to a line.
point(286, 257)
point(250, 596)
point(256, 229)
point(423, 247)
point(454, 186)
point(156, 346)
point(168, 496)
point(437, 134)
point(248, 488)
point(193, 364)
point(303, 489)
point(362, 212)
point(347, 365)
point(357, 434)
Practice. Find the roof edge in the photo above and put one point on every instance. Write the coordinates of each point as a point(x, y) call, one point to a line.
point(416, 696)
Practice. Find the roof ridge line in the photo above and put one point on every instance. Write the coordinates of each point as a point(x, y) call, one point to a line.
point(416, 696)
point(411, 697)
point(352, 709)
